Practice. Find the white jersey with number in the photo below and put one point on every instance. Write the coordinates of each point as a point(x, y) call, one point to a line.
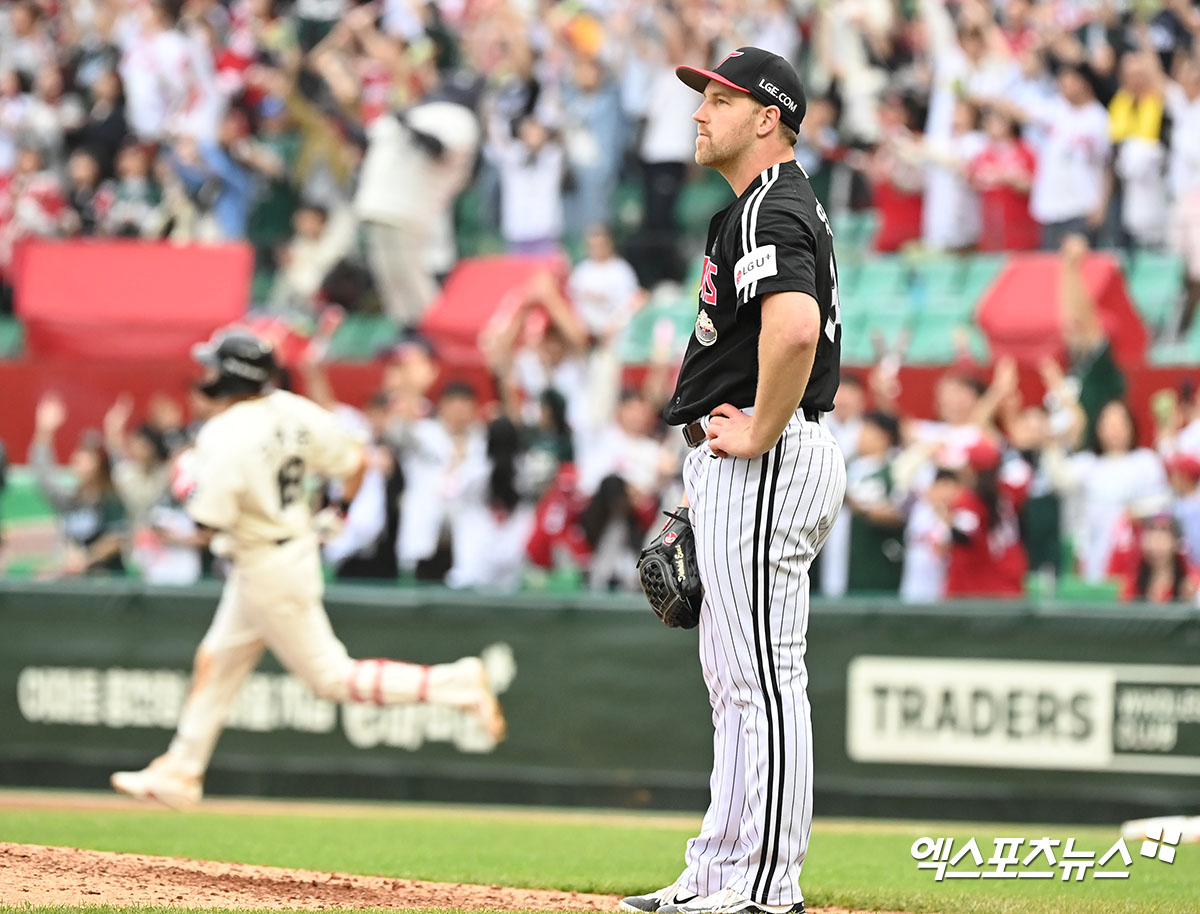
point(253, 459)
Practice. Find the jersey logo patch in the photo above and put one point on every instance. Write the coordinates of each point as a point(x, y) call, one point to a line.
point(706, 331)
point(708, 288)
point(759, 263)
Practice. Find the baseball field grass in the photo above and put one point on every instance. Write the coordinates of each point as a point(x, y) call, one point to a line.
point(856, 865)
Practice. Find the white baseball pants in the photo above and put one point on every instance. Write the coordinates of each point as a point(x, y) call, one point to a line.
point(273, 600)
point(758, 525)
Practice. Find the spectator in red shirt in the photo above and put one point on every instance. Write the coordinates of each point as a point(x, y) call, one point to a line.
point(1162, 573)
point(1003, 174)
point(897, 178)
point(987, 558)
point(32, 203)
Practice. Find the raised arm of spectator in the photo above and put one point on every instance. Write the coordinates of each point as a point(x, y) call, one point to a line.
point(375, 44)
point(115, 425)
point(1082, 329)
point(1004, 384)
point(500, 347)
point(939, 26)
point(49, 418)
point(329, 63)
point(227, 170)
point(1067, 424)
point(321, 137)
point(545, 290)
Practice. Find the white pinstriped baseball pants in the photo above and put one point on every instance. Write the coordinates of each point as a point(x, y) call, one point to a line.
point(758, 525)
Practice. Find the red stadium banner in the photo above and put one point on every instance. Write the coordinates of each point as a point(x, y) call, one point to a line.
point(1021, 312)
point(127, 299)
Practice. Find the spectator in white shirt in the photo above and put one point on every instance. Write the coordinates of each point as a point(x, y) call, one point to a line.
point(169, 79)
point(1070, 184)
point(1183, 471)
point(950, 219)
point(1183, 234)
point(531, 170)
point(927, 541)
point(439, 457)
point(493, 517)
point(602, 286)
point(1104, 484)
point(846, 421)
point(624, 448)
point(25, 45)
point(418, 161)
point(321, 239)
point(540, 345)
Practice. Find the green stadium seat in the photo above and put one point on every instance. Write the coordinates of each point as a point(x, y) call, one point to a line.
point(977, 345)
point(1075, 589)
point(361, 337)
point(935, 340)
point(932, 343)
point(939, 275)
point(1155, 284)
point(853, 232)
point(698, 201)
point(847, 271)
point(12, 337)
point(627, 208)
point(886, 328)
point(857, 348)
point(981, 271)
point(473, 237)
point(878, 286)
point(637, 340)
point(21, 499)
point(949, 307)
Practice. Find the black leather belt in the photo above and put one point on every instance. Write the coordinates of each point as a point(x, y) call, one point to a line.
point(695, 435)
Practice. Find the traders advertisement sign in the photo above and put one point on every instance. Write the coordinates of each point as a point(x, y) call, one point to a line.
point(1024, 714)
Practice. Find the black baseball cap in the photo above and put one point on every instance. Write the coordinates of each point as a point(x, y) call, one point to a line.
point(761, 74)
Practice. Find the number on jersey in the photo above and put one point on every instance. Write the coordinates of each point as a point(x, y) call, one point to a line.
point(835, 310)
point(291, 481)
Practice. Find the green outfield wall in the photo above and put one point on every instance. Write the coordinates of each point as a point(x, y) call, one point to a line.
point(968, 710)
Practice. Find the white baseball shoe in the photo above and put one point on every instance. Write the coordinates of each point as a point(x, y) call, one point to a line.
point(674, 894)
point(486, 706)
point(727, 901)
point(159, 781)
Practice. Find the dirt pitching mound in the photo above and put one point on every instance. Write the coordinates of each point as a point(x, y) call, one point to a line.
point(64, 876)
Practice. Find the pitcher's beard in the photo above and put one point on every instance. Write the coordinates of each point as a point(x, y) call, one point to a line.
point(714, 155)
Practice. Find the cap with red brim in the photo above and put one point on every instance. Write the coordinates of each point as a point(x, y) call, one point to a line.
point(760, 74)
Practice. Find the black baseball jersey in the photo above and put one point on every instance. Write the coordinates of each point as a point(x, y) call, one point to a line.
point(775, 237)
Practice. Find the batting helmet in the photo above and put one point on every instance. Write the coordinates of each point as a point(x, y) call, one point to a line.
point(240, 364)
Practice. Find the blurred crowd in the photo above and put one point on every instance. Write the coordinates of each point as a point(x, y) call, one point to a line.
point(336, 136)
point(1003, 495)
point(338, 139)
point(563, 475)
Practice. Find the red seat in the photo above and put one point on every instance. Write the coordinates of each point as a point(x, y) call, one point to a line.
point(126, 298)
point(1021, 312)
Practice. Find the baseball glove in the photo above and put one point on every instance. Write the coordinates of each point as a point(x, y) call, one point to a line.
point(670, 575)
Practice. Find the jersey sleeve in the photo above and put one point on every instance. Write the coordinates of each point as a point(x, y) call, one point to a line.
point(213, 500)
point(333, 450)
point(776, 250)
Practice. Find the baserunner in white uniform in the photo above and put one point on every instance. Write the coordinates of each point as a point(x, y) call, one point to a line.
point(252, 462)
point(764, 482)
